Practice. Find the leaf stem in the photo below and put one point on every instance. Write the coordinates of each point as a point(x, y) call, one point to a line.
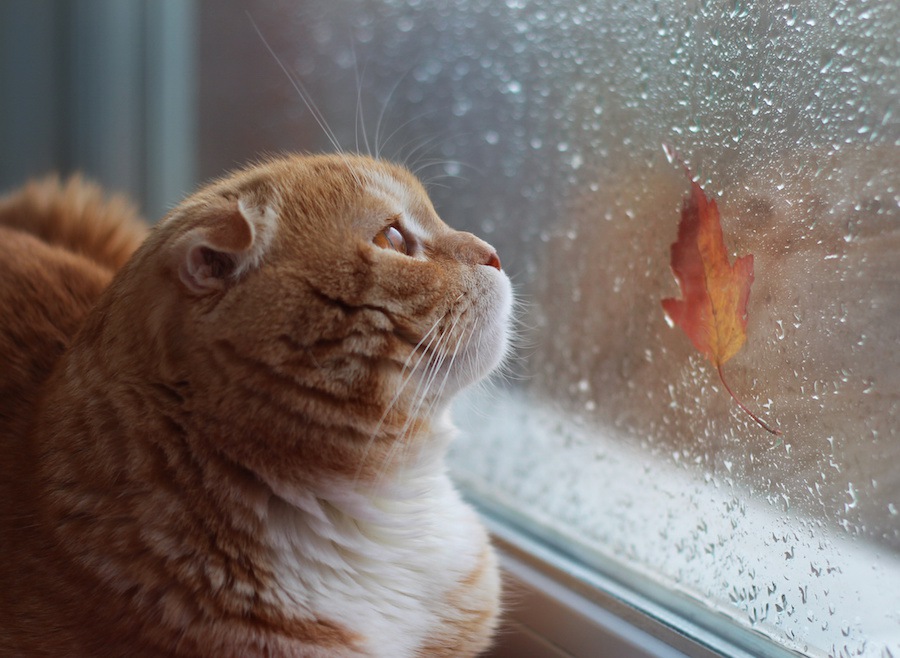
point(759, 421)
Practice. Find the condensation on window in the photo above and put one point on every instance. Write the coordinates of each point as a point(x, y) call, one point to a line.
point(540, 126)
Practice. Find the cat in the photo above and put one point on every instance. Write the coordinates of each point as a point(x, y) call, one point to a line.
point(232, 443)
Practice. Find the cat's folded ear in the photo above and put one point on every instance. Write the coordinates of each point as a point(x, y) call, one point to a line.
point(228, 238)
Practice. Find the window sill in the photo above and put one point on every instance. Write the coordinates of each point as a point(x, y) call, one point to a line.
point(556, 607)
point(679, 552)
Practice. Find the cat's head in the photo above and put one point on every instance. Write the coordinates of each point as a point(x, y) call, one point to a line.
point(311, 297)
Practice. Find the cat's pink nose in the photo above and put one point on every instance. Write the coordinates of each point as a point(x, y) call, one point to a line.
point(469, 249)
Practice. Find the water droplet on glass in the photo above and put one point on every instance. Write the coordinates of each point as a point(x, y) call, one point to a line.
point(854, 499)
point(671, 153)
point(514, 87)
point(461, 107)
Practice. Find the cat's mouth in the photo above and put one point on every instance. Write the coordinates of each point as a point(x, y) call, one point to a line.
point(468, 342)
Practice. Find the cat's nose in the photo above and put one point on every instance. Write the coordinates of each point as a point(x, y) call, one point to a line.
point(469, 249)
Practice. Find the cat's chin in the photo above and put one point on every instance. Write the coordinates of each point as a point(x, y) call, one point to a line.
point(489, 343)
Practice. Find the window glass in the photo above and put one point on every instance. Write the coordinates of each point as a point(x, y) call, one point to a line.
point(540, 126)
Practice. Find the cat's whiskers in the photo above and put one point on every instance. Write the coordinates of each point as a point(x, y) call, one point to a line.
point(430, 350)
point(426, 397)
point(422, 350)
point(387, 101)
point(435, 397)
point(399, 152)
point(306, 97)
point(360, 124)
point(426, 148)
point(451, 367)
point(435, 367)
point(426, 387)
point(432, 182)
point(435, 354)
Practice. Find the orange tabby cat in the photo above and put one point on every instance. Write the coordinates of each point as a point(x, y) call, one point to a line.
point(240, 448)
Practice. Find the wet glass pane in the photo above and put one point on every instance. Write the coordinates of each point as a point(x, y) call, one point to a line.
point(540, 126)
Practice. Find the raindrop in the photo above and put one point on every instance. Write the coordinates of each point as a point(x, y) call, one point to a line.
point(854, 499)
point(671, 153)
point(461, 107)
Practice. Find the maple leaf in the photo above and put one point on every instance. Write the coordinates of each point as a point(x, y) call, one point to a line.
point(713, 308)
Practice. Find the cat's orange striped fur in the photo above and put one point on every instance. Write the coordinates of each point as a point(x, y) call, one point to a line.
point(236, 447)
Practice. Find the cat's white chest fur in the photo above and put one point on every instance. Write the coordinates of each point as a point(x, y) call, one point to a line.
point(385, 566)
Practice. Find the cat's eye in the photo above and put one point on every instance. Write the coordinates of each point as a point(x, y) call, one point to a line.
point(391, 238)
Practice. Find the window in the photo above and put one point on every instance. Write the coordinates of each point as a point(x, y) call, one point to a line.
point(611, 442)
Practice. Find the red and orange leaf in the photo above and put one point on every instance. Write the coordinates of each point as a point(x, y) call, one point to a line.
point(713, 308)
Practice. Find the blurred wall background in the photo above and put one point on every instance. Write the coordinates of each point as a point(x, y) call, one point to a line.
point(106, 87)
